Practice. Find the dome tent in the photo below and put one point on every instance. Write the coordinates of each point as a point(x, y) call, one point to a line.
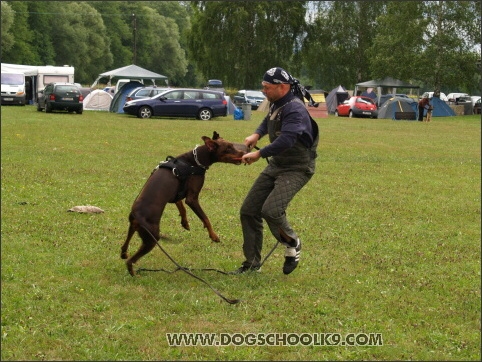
point(119, 99)
point(97, 100)
point(440, 108)
point(335, 97)
point(398, 104)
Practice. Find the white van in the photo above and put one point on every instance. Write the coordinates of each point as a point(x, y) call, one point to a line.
point(430, 95)
point(13, 88)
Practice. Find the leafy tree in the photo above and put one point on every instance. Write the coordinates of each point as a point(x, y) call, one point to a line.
point(334, 50)
point(40, 22)
point(158, 47)
point(7, 19)
point(238, 41)
point(449, 56)
point(117, 18)
point(397, 47)
point(81, 41)
point(179, 11)
point(22, 51)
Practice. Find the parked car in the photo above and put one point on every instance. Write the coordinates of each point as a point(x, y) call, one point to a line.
point(215, 84)
point(453, 97)
point(474, 99)
point(443, 97)
point(477, 106)
point(357, 106)
point(144, 92)
point(253, 97)
point(182, 102)
point(386, 97)
point(60, 97)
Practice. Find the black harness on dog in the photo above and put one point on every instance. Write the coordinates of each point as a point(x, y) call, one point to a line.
point(182, 170)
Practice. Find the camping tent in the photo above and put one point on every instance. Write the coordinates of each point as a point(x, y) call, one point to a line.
point(97, 100)
point(335, 97)
point(119, 99)
point(440, 108)
point(129, 72)
point(398, 104)
point(231, 105)
point(387, 82)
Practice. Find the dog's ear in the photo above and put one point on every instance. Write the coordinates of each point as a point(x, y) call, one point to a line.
point(212, 146)
point(216, 135)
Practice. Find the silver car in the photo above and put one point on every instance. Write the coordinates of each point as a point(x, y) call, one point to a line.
point(253, 97)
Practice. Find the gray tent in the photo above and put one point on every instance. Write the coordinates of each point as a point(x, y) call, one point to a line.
point(398, 104)
point(130, 72)
point(387, 82)
point(335, 97)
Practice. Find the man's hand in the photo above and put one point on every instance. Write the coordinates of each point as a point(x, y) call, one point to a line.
point(251, 141)
point(251, 157)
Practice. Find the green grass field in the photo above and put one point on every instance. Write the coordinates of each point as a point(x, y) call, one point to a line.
point(390, 226)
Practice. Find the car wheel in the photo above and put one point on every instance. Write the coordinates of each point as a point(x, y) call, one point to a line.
point(336, 114)
point(350, 114)
point(79, 111)
point(48, 108)
point(205, 114)
point(144, 112)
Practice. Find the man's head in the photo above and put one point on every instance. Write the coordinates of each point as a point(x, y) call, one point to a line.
point(276, 83)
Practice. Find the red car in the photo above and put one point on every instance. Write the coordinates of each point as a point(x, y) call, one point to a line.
point(357, 106)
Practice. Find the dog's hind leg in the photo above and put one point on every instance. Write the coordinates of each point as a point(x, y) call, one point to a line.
point(150, 237)
point(183, 215)
point(130, 233)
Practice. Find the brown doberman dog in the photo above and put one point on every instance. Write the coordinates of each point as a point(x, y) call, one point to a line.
point(172, 181)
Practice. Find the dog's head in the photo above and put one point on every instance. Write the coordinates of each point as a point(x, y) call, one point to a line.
point(222, 150)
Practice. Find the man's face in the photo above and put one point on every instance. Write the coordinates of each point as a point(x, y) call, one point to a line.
point(273, 92)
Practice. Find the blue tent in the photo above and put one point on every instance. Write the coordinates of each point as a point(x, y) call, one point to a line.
point(398, 104)
point(119, 99)
point(440, 108)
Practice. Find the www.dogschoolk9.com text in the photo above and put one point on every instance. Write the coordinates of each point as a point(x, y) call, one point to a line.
point(274, 339)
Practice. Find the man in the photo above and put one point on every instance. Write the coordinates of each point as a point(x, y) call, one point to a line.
point(423, 104)
point(292, 152)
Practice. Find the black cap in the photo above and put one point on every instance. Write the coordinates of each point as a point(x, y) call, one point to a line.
point(277, 75)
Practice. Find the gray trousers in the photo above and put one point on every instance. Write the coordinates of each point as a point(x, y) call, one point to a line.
point(268, 199)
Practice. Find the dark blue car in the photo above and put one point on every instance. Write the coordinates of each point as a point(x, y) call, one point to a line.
point(198, 103)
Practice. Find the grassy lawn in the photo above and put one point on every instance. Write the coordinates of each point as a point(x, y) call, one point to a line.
point(390, 226)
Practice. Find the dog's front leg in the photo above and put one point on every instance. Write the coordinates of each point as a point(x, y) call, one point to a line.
point(193, 203)
point(183, 215)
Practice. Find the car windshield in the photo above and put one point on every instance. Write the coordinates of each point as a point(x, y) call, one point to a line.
point(67, 88)
point(365, 100)
point(12, 79)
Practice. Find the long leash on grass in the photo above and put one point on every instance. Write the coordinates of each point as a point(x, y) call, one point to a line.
point(189, 270)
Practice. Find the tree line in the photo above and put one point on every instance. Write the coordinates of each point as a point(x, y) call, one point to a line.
point(433, 44)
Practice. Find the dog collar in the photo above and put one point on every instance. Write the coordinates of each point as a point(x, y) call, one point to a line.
point(194, 152)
